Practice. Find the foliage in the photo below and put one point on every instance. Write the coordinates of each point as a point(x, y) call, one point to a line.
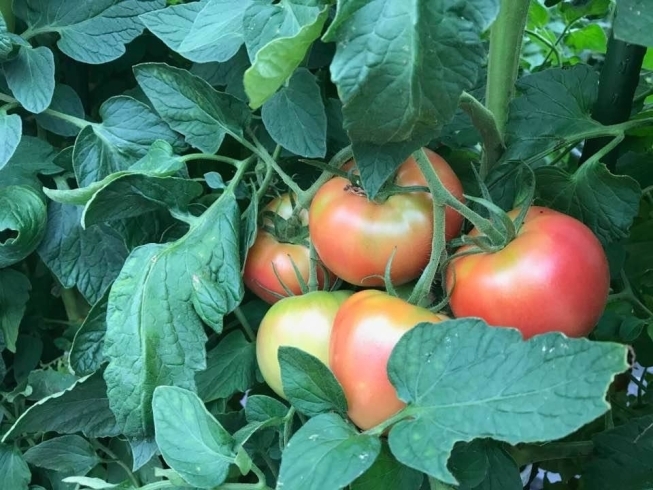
point(140, 138)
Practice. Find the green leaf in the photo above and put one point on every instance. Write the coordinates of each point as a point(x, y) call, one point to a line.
point(503, 472)
point(14, 294)
point(11, 128)
point(378, 163)
point(48, 382)
point(469, 463)
point(326, 453)
point(154, 336)
point(191, 106)
point(30, 76)
point(605, 202)
point(211, 302)
point(309, 385)
point(14, 472)
point(88, 259)
point(591, 37)
point(278, 38)
point(83, 407)
point(295, 116)
point(86, 355)
point(128, 130)
point(209, 30)
point(573, 11)
point(260, 408)
point(463, 379)
point(184, 427)
point(22, 223)
point(400, 67)
point(66, 101)
point(553, 110)
point(71, 453)
point(94, 483)
point(32, 156)
point(623, 457)
point(388, 474)
point(91, 32)
point(633, 22)
point(228, 74)
point(136, 194)
point(230, 368)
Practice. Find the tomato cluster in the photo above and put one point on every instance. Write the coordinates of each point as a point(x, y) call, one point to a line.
point(552, 276)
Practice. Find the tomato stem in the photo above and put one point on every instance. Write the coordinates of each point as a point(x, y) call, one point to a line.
point(438, 247)
point(379, 429)
point(442, 196)
point(244, 322)
point(337, 161)
point(506, 36)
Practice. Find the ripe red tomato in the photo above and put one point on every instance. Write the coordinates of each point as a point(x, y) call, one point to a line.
point(367, 327)
point(303, 322)
point(553, 277)
point(355, 237)
point(268, 251)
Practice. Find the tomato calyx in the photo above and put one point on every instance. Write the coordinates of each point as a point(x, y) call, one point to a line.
point(285, 230)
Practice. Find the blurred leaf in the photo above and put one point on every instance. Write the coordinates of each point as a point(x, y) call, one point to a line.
point(11, 127)
point(633, 22)
point(14, 294)
point(14, 472)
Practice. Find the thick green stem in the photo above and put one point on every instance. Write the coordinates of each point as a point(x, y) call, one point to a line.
point(377, 430)
point(244, 322)
point(506, 39)
point(617, 85)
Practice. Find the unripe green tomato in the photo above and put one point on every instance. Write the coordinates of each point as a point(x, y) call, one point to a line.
point(303, 322)
point(7, 13)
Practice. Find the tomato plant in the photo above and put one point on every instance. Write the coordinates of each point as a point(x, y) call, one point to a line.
point(553, 277)
point(366, 328)
point(304, 322)
point(148, 149)
point(275, 267)
point(356, 237)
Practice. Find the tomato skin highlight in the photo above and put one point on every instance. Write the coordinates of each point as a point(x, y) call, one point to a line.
point(553, 277)
point(355, 237)
point(258, 274)
point(365, 330)
point(303, 322)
